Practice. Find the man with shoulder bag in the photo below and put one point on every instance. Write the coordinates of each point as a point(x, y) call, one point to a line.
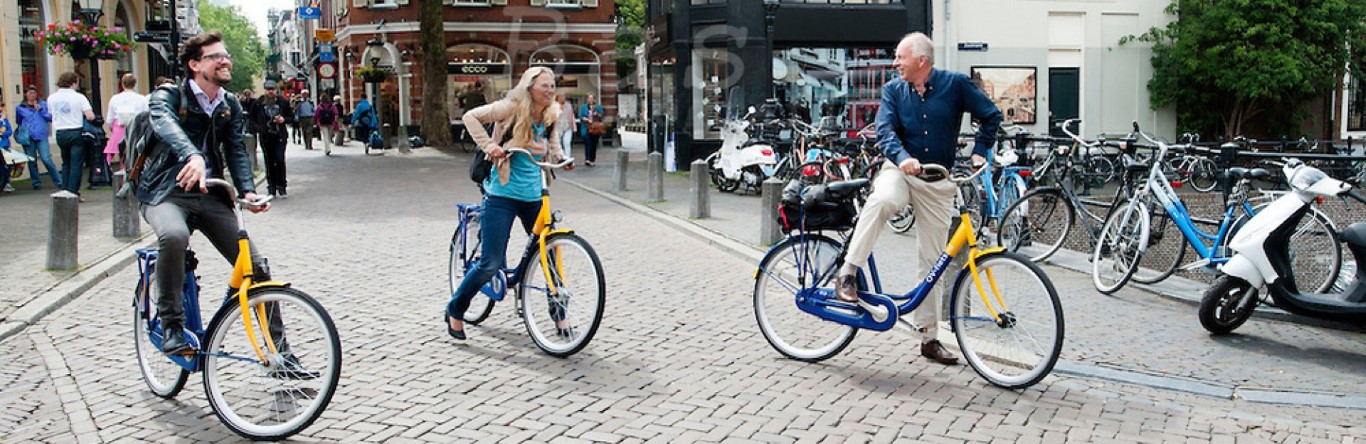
point(271, 116)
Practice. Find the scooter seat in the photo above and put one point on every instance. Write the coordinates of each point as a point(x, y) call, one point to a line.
point(1241, 173)
point(843, 190)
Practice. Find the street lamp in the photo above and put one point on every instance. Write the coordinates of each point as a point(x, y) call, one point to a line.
point(90, 15)
point(770, 7)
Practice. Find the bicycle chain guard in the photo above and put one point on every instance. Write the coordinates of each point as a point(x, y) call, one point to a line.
point(823, 303)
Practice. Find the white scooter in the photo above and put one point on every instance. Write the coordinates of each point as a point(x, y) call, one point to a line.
point(741, 160)
point(1263, 258)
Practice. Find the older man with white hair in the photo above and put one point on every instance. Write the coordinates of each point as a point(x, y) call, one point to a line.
point(917, 124)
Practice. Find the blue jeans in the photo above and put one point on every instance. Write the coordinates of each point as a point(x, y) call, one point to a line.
point(496, 225)
point(40, 150)
point(73, 148)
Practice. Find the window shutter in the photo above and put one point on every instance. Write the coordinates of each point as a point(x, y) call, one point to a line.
point(589, 3)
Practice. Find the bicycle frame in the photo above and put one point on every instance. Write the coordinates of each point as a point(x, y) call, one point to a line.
point(822, 302)
point(542, 228)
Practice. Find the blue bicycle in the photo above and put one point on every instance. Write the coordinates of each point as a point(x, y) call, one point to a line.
point(1003, 310)
point(991, 194)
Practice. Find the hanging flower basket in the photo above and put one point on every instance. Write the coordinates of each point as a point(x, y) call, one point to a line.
point(374, 75)
point(83, 42)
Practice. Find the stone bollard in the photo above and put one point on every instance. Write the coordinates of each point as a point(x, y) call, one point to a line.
point(700, 192)
point(769, 231)
point(655, 174)
point(126, 220)
point(623, 163)
point(61, 236)
point(249, 139)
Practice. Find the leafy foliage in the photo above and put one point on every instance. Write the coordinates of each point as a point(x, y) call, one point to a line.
point(630, 33)
point(240, 38)
point(61, 38)
point(1227, 65)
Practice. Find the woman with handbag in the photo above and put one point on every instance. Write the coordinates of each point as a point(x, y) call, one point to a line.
point(523, 119)
point(590, 113)
point(35, 123)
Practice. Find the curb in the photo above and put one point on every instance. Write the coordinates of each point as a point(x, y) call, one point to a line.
point(1063, 367)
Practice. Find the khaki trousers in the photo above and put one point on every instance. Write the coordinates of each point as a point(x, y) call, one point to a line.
point(933, 201)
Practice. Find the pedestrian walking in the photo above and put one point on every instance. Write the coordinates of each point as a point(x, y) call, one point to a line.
point(250, 131)
point(343, 125)
point(592, 128)
point(917, 124)
point(271, 116)
point(35, 122)
point(70, 111)
point(365, 121)
point(566, 124)
point(123, 107)
point(294, 124)
point(327, 123)
point(524, 119)
point(304, 113)
point(199, 145)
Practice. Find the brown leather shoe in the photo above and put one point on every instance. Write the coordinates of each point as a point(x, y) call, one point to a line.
point(846, 289)
point(936, 351)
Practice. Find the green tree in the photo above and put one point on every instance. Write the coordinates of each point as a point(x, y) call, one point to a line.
point(1231, 65)
point(435, 117)
point(241, 39)
point(630, 33)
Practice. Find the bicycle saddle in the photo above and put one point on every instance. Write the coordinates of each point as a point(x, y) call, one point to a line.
point(816, 195)
point(1240, 173)
point(844, 190)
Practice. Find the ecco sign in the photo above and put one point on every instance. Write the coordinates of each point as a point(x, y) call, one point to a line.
point(474, 69)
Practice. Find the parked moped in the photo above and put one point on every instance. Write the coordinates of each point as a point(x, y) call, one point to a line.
point(741, 161)
point(1262, 258)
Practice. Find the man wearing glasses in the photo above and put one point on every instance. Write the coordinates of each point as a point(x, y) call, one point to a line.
point(198, 125)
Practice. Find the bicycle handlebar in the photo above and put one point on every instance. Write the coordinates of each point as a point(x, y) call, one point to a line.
point(232, 191)
point(566, 162)
point(945, 171)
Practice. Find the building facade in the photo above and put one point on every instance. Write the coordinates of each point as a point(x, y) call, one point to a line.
point(489, 43)
point(1042, 61)
point(24, 62)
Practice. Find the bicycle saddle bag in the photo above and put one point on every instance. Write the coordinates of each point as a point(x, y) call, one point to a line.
point(1240, 173)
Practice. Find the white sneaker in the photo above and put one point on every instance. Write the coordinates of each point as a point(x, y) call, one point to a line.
point(9, 188)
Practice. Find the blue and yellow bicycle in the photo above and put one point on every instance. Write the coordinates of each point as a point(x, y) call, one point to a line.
point(1003, 310)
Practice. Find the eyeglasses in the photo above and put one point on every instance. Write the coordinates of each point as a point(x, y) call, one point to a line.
point(217, 56)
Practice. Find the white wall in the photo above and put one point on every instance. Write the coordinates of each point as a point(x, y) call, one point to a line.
point(1049, 33)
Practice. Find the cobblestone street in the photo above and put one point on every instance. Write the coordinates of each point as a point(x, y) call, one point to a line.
point(678, 358)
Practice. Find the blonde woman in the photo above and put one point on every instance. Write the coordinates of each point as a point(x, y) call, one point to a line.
point(524, 119)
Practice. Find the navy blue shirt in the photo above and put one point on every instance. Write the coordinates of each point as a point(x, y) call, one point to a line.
point(926, 126)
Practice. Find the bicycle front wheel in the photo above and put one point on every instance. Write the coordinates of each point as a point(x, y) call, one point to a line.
point(277, 398)
point(794, 264)
point(164, 377)
point(572, 285)
point(1122, 241)
point(1204, 175)
point(465, 252)
point(1008, 320)
point(1037, 224)
point(903, 220)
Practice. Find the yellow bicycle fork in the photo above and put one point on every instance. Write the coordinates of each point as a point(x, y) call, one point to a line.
point(543, 231)
point(966, 235)
point(242, 275)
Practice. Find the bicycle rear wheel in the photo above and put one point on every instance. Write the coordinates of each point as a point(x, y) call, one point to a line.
point(465, 252)
point(284, 395)
point(1119, 247)
point(1010, 328)
point(903, 220)
point(1204, 174)
point(164, 377)
point(796, 263)
point(575, 301)
point(1037, 224)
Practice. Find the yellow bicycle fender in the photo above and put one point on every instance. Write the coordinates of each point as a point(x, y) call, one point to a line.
point(560, 231)
point(984, 252)
point(270, 284)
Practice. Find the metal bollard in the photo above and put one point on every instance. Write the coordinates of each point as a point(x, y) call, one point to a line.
point(769, 231)
point(61, 236)
point(655, 174)
point(623, 163)
point(126, 220)
point(697, 188)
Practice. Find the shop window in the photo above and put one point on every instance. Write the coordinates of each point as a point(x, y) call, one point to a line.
point(839, 87)
point(711, 76)
point(1356, 105)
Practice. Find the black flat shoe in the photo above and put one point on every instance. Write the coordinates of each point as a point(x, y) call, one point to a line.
point(458, 334)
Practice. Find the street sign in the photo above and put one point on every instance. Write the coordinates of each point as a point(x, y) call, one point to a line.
point(327, 70)
point(972, 46)
point(327, 56)
point(324, 35)
point(310, 13)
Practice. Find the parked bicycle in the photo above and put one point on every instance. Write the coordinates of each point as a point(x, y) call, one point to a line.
point(1003, 309)
point(265, 379)
point(557, 265)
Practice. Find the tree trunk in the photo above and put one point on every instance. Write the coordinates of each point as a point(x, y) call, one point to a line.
point(436, 125)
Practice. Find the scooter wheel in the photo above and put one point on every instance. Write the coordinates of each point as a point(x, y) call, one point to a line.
point(1227, 305)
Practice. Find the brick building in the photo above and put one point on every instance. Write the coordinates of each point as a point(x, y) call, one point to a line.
point(488, 41)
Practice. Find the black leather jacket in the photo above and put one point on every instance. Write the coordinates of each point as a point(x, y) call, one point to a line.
point(260, 117)
point(179, 138)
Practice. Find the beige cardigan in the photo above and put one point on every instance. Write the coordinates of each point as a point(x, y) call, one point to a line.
point(501, 114)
